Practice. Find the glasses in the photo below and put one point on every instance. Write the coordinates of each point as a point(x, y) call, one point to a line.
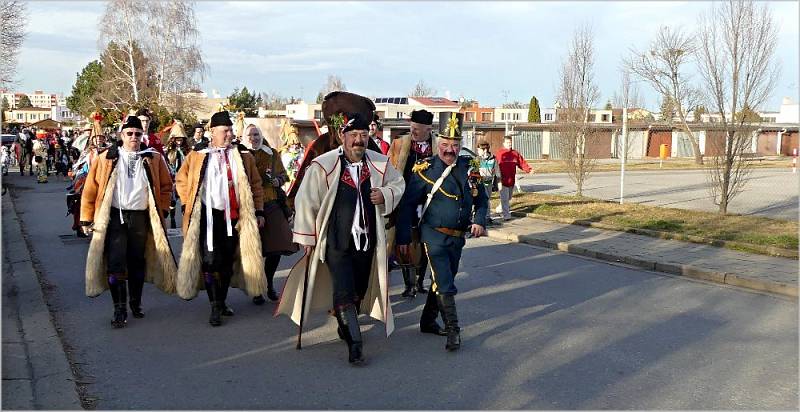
point(137, 134)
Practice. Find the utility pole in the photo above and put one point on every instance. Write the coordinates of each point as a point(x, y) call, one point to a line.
point(624, 155)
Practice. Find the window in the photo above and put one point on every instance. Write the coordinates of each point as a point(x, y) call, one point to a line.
point(400, 115)
point(47, 116)
point(469, 117)
point(548, 116)
point(486, 117)
point(605, 118)
point(516, 116)
point(19, 116)
point(318, 114)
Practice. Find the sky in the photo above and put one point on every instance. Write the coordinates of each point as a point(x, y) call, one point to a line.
point(494, 52)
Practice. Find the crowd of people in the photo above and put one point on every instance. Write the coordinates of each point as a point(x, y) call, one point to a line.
point(350, 202)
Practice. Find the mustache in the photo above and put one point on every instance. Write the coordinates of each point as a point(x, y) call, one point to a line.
point(358, 144)
point(449, 153)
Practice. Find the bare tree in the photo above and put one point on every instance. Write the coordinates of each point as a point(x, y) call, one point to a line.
point(118, 90)
point(422, 90)
point(663, 67)
point(121, 29)
point(737, 45)
point(628, 95)
point(13, 18)
point(334, 83)
point(577, 94)
point(173, 48)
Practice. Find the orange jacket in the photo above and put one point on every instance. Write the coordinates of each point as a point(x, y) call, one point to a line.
point(94, 190)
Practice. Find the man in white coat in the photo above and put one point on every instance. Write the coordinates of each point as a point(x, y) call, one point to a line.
point(341, 207)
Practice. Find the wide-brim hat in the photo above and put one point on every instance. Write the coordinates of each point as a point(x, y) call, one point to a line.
point(345, 102)
point(450, 125)
point(132, 122)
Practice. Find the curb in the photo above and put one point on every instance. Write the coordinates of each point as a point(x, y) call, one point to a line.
point(729, 244)
point(688, 271)
point(52, 379)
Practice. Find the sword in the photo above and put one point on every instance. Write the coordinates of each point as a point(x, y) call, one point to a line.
point(303, 305)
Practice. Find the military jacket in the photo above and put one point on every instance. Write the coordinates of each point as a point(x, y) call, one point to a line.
point(460, 199)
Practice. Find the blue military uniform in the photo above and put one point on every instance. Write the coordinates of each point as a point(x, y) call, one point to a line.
point(459, 201)
point(453, 209)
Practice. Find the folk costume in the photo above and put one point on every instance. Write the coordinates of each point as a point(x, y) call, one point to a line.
point(276, 236)
point(124, 198)
point(449, 194)
point(221, 191)
point(39, 162)
point(348, 267)
point(376, 138)
point(291, 154)
point(176, 155)
point(403, 154)
point(334, 104)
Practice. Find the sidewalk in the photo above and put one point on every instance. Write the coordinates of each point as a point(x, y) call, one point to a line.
point(36, 373)
point(710, 263)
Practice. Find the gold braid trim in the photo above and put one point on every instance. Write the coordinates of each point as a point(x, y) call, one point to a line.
point(430, 182)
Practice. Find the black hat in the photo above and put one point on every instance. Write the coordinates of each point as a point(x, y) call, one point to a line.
point(132, 122)
point(222, 118)
point(198, 126)
point(450, 125)
point(354, 121)
point(376, 118)
point(422, 117)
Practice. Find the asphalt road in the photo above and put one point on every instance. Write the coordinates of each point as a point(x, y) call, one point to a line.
point(541, 330)
point(769, 192)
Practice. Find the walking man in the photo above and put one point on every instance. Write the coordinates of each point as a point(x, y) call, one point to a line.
point(220, 189)
point(454, 205)
point(124, 200)
point(341, 205)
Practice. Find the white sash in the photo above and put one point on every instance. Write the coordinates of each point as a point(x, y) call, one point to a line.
point(436, 186)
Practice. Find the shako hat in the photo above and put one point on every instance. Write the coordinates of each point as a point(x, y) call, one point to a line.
point(450, 125)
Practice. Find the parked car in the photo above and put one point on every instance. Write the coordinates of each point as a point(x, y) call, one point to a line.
point(8, 139)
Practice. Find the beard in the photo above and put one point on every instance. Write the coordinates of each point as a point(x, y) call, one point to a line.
point(358, 151)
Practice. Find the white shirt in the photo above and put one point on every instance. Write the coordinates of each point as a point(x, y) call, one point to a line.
point(216, 181)
point(131, 192)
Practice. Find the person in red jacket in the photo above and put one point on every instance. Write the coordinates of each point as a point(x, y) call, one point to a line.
point(508, 160)
point(374, 134)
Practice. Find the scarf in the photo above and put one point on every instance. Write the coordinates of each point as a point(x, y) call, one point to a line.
point(130, 164)
point(357, 173)
point(220, 159)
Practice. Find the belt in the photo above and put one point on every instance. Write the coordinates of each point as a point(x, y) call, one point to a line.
point(450, 232)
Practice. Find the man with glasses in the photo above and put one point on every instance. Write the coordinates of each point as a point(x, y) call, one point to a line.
point(220, 188)
point(124, 201)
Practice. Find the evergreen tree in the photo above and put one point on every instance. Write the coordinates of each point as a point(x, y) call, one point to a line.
point(24, 102)
point(85, 89)
point(534, 114)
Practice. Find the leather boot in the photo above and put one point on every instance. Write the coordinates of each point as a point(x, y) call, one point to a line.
point(216, 313)
point(421, 278)
point(409, 291)
point(136, 283)
point(447, 306)
point(119, 295)
point(427, 322)
point(351, 333)
point(270, 266)
point(224, 285)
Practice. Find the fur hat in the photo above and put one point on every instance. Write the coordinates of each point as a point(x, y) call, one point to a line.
point(222, 118)
point(422, 117)
point(354, 121)
point(346, 102)
point(132, 122)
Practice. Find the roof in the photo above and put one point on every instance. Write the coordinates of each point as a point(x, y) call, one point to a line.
point(47, 124)
point(435, 101)
point(30, 109)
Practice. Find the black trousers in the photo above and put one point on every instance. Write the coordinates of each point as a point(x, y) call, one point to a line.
point(350, 274)
point(219, 260)
point(125, 243)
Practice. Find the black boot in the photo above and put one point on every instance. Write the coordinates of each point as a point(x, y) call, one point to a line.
point(259, 300)
point(409, 291)
point(351, 333)
point(119, 295)
point(447, 306)
point(216, 313)
point(136, 283)
point(427, 322)
point(421, 278)
point(224, 285)
point(172, 223)
point(270, 266)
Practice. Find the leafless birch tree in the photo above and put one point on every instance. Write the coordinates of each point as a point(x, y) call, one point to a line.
point(13, 19)
point(663, 66)
point(123, 25)
point(735, 58)
point(577, 94)
point(422, 90)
